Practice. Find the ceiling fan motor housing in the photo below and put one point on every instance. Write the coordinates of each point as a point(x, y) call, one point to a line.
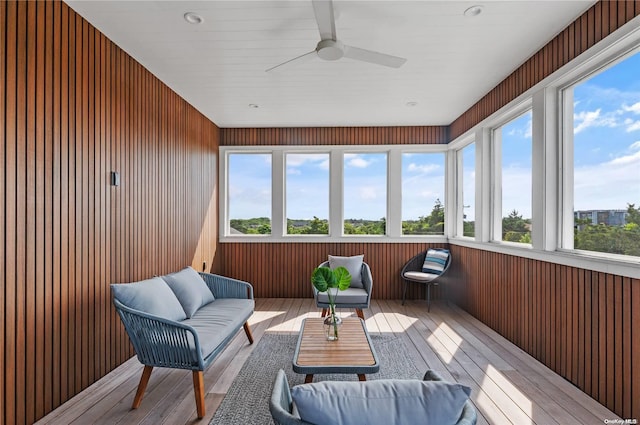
point(330, 50)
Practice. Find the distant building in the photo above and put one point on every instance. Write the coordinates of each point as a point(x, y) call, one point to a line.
point(607, 217)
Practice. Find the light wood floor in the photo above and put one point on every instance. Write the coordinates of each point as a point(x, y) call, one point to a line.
point(508, 386)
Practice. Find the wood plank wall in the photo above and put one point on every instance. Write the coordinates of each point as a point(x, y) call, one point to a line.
point(599, 21)
point(311, 136)
point(284, 269)
point(580, 323)
point(73, 107)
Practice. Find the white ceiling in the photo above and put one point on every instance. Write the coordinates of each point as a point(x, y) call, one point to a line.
point(219, 66)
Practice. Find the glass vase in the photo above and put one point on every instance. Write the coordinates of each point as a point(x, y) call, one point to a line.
point(331, 326)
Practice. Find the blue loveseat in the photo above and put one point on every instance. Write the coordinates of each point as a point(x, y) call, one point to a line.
point(183, 320)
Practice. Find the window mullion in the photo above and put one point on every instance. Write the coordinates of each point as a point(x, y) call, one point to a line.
point(336, 193)
point(278, 190)
point(394, 194)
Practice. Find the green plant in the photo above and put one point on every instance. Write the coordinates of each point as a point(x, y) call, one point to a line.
point(324, 279)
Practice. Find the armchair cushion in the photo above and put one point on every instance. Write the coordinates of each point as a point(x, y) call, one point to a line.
point(152, 296)
point(380, 402)
point(435, 261)
point(348, 296)
point(190, 290)
point(352, 264)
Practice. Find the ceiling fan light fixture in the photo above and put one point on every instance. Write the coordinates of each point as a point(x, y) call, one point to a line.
point(330, 50)
point(193, 18)
point(474, 10)
point(411, 104)
point(254, 106)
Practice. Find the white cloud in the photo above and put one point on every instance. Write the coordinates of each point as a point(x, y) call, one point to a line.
point(635, 108)
point(608, 185)
point(358, 162)
point(368, 193)
point(426, 168)
point(633, 126)
point(586, 119)
point(293, 171)
point(635, 146)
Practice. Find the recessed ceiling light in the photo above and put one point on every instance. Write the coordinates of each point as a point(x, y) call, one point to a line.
point(411, 104)
point(253, 106)
point(193, 18)
point(474, 10)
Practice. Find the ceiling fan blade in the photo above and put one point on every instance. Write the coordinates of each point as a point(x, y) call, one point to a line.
point(325, 19)
point(373, 57)
point(295, 61)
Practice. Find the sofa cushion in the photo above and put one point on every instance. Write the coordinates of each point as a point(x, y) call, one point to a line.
point(383, 402)
point(152, 296)
point(352, 264)
point(435, 261)
point(190, 289)
point(215, 321)
point(348, 296)
point(421, 277)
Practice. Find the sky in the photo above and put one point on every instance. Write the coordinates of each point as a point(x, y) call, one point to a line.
point(606, 164)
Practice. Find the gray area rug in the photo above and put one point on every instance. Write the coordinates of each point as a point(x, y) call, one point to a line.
point(247, 402)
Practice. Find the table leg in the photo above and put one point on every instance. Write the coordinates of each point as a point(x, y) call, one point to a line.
point(362, 377)
point(308, 379)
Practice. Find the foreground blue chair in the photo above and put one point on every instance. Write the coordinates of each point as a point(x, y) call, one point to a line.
point(281, 403)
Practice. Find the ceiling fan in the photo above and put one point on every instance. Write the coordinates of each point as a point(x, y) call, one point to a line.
point(330, 48)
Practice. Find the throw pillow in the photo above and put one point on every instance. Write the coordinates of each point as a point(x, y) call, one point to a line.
point(152, 296)
point(385, 401)
point(190, 289)
point(353, 264)
point(435, 261)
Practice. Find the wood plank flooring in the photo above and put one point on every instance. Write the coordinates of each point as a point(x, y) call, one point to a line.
point(508, 386)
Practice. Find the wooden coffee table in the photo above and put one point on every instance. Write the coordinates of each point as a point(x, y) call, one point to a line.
point(351, 353)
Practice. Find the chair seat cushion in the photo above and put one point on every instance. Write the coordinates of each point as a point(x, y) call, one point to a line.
point(190, 289)
point(348, 296)
point(213, 321)
point(385, 401)
point(151, 296)
point(420, 276)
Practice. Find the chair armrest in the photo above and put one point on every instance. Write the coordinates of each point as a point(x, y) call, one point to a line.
point(367, 279)
point(161, 342)
point(226, 287)
point(415, 264)
point(469, 416)
point(280, 403)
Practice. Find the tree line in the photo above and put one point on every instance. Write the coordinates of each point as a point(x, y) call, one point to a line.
point(601, 237)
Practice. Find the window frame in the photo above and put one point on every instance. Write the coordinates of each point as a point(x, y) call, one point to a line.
point(336, 185)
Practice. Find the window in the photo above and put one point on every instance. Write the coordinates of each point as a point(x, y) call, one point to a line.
point(512, 142)
point(249, 192)
point(423, 194)
point(606, 159)
point(365, 193)
point(468, 187)
point(307, 193)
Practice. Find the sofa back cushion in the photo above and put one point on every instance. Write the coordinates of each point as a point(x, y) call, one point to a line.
point(352, 264)
point(152, 296)
point(190, 289)
point(385, 401)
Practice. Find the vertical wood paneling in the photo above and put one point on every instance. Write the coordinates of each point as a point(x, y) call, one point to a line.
point(599, 21)
point(428, 135)
point(73, 107)
point(581, 324)
point(290, 265)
